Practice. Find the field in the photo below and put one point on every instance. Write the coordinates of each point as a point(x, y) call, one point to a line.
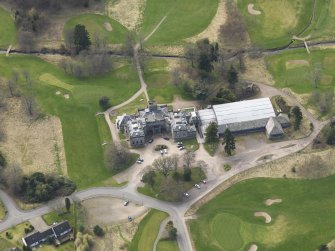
point(18, 232)
point(159, 83)
point(303, 221)
point(166, 245)
point(7, 29)
point(295, 69)
point(82, 140)
point(278, 21)
point(147, 231)
point(184, 19)
point(103, 25)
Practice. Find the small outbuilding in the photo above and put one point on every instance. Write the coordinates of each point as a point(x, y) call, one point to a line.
point(274, 129)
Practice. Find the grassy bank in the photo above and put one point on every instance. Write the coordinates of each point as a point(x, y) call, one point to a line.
point(303, 221)
point(147, 231)
point(7, 29)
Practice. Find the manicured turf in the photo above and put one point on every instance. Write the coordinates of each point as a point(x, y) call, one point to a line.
point(184, 19)
point(303, 221)
point(166, 245)
point(159, 83)
point(95, 23)
point(279, 21)
point(323, 25)
point(298, 75)
point(7, 29)
point(147, 231)
point(82, 138)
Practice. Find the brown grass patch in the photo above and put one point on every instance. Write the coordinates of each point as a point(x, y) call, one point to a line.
point(108, 26)
point(326, 80)
point(291, 64)
point(257, 71)
point(36, 145)
point(128, 12)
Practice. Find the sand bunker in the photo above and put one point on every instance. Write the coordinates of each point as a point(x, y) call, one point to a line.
point(265, 215)
point(253, 247)
point(108, 26)
point(270, 202)
point(290, 64)
point(66, 96)
point(57, 92)
point(252, 11)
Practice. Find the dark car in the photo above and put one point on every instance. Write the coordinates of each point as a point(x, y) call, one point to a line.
point(150, 141)
point(166, 138)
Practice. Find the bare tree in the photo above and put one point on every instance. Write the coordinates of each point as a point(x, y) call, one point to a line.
point(26, 41)
point(57, 205)
point(165, 164)
point(128, 46)
point(118, 156)
point(188, 158)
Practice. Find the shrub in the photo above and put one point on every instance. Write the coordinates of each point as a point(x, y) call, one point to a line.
point(187, 174)
point(98, 231)
point(227, 167)
point(104, 103)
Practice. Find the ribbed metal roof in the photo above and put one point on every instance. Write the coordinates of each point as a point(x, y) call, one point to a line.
point(206, 116)
point(243, 111)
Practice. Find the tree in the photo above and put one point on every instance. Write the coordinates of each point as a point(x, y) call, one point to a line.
point(171, 230)
point(3, 161)
point(128, 45)
point(229, 141)
point(98, 231)
point(26, 41)
point(67, 204)
point(330, 135)
point(323, 247)
point(149, 178)
point(232, 77)
point(188, 158)
point(165, 164)
point(13, 178)
point(81, 38)
point(297, 117)
point(118, 157)
point(187, 175)
point(104, 102)
point(212, 132)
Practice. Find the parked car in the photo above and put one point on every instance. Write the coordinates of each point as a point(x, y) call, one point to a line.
point(197, 186)
point(162, 152)
point(179, 143)
point(139, 162)
point(186, 195)
point(204, 181)
point(130, 218)
point(166, 138)
point(141, 159)
point(165, 151)
point(151, 140)
point(126, 203)
point(181, 148)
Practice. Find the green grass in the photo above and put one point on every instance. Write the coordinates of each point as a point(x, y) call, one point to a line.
point(184, 19)
point(191, 144)
point(82, 137)
point(147, 231)
point(104, 132)
point(299, 76)
point(159, 83)
point(7, 29)
point(94, 23)
point(197, 175)
point(52, 217)
point(303, 221)
point(211, 148)
point(279, 21)
point(166, 245)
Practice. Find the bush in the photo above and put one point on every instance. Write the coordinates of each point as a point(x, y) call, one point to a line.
point(160, 147)
point(149, 178)
point(118, 157)
point(98, 231)
point(227, 167)
point(104, 103)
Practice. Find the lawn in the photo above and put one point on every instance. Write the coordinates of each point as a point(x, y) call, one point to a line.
point(147, 231)
point(166, 245)
point(197, 176)
point(184, 19)
point(303, 221)
point(278, 21)
point(7, 29)
point(96, 23)
point(158, 79)
point(82, 138)
point(295, 69)
point(211, 148)
point(191, 144)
